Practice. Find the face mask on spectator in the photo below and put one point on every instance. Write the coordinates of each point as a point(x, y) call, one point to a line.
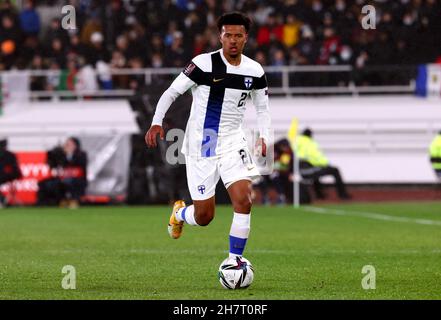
point(340, 6)
point(191, 6)
point(317, 6)
point(346, 53)
point(156, 63)
point(407, 20)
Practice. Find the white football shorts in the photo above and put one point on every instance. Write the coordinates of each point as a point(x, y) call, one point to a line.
point(203, 173)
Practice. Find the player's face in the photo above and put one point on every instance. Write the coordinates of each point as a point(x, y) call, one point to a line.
point(233, 39)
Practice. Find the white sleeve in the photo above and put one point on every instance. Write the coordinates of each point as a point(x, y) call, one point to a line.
point(260, 101)
point(179, 86)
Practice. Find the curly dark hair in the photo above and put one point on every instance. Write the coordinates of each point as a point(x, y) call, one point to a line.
point(234, 18)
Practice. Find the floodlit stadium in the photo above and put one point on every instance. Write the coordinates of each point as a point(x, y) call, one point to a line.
point(336, 104)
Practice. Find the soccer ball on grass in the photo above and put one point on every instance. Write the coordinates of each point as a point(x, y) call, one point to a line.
point(236, 273)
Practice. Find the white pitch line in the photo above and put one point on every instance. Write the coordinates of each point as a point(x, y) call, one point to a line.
point(371, 215)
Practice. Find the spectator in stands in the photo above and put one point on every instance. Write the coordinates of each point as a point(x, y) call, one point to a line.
point(97, 50)
point(263, 36)
point(76, 47)
point(157, 45)
point(407, 32)
point(330, 48)
point(91, 26)
point(122, 46)
point(176, 56)
point(37, 83)
point(57, 52)
point(296, 58)
point(9, 169)
point(55, 31)
point(193, 24)
point(199, 45)
point(86, 79)
point(30, 48)
point(138, 44)
point(136, 81)
point(291, 31)
point(157, 61)
point(10, 40)
point(316, 12)
point(7, 8)
point(435, 154)
point(172, 29)
point(68, 77)
point(68, 185)
point(314, 165)
point(53, 79)
point(118, 61)
point(119, 16)
point(308, 47)
point(261, 58)
point(29, 19)
point(277, 59)
point(104, 75)
point(262, 12)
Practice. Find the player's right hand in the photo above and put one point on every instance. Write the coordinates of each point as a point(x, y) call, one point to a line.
point(150, 136)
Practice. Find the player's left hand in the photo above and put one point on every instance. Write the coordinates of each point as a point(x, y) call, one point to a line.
point(261, 145)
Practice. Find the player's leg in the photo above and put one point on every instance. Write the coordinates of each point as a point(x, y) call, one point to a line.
point(240, 195)
point(200, 213)
point(237, 170)
point(202, 177)
point(204, 211)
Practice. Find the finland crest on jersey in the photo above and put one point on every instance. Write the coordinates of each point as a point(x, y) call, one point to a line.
point(219, 92)
point(248, 82)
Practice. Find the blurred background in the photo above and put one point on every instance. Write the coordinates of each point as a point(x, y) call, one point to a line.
point(76, 102)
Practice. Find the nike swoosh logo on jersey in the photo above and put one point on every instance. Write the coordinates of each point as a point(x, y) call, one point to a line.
point(217, 80)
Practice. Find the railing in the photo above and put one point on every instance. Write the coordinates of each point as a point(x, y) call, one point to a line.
point(401, 135)
point(282, 80)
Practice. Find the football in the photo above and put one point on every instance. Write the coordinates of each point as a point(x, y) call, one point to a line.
point(236, 273)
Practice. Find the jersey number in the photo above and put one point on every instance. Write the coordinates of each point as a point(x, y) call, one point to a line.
point(242, 99)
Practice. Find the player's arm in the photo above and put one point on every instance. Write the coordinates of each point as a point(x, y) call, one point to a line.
point(259, 95)
point(186, 79)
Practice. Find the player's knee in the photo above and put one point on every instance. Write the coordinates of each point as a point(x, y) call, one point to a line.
point(204, 217)
point(243, 204)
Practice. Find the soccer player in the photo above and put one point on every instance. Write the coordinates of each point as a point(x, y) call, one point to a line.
point(214, 144)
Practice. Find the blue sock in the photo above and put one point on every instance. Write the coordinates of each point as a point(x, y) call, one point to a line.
point(240, 229)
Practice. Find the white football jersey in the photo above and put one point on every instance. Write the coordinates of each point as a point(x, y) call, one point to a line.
point(220, 91)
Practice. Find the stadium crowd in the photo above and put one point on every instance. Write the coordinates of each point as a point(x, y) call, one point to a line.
point(137, 34)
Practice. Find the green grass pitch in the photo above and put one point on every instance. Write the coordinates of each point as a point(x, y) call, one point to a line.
point(307, 253)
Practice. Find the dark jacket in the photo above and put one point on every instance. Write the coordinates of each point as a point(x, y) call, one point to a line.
point(9, 169)
point(78, 165)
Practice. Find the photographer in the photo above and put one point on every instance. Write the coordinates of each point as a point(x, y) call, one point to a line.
point(69, 180)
